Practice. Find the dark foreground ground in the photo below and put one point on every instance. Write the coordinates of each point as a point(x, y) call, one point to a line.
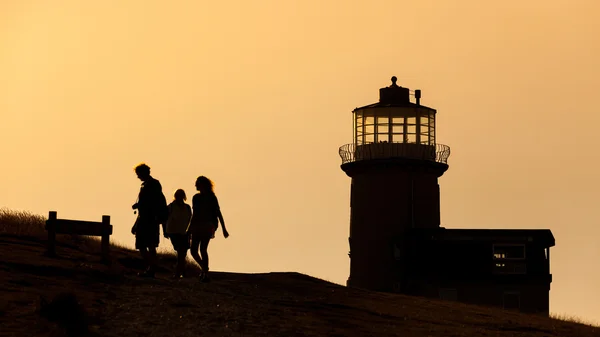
point(274, 304)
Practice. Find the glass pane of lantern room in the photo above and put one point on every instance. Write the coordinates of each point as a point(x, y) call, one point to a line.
point(431, 134)
point(358, 129)
point(383, 133)
point(383, 129)
point(383, 137)
point(369, 138)
point(397, 133)
point(397, 120)
point(354, 129)
point(424, 134)
point(398, 128)
point(384, 120)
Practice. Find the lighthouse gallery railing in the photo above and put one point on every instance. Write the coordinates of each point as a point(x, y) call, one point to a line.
point(351, 153)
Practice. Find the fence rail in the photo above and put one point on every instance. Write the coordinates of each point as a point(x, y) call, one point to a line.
point(75, 227)
point(437, 153)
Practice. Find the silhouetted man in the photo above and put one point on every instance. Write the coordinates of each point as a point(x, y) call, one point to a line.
point(146, 228)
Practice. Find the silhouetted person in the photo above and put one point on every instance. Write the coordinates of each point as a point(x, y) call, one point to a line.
point(205, 220)
point(146, 228)
point(180, 215)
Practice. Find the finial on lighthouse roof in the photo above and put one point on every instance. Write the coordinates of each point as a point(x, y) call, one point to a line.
point(394, 94)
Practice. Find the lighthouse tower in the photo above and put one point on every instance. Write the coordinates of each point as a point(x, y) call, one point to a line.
point(394, 162)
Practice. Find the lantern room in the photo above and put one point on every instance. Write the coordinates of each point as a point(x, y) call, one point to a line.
point(394, 119)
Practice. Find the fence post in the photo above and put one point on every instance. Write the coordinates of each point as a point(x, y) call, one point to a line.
point(51, 228)
point(104, 244)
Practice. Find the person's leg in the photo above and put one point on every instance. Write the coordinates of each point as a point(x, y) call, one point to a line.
point(152, 259)
point(176, 240)
point(181, 255)
point(144, 251)
point(194, 250)
point(142, 242)
point(204, 253)
point(172, 238)
point(153, 242)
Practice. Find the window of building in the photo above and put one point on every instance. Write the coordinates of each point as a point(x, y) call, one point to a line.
point(509, 259)
point(511, 300)
point(509, 252)
point(510, 267)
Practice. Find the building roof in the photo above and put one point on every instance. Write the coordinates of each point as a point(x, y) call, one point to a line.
point(392, 105)
point(541, 236)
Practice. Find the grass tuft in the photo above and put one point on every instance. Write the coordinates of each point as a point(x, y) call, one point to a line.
point(573, 319)
point(21, 223)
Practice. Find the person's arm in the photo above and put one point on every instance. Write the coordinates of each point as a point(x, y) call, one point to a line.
point(135, 206)
point(191, 208)
point(134, 227)
point(220, 216)
point(189, 213)
point(164, 225)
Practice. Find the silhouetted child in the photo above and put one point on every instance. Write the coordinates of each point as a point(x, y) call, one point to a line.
point(180, 215)
point(205, 221)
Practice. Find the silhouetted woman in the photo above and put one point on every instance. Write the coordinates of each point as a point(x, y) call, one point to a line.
point(178, 223)
point(205, 220)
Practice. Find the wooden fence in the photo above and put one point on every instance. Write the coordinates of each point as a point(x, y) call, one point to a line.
point(76, 227)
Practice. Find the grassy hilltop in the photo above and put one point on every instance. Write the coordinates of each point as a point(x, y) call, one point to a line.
point(117, 303)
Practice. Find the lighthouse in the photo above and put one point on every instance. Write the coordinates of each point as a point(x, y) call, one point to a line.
point(396, 241)
point(394, 162)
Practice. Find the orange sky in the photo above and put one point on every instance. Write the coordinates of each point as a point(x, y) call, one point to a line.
point(257, 95)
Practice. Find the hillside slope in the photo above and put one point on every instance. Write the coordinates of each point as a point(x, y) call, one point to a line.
point(274, 304)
